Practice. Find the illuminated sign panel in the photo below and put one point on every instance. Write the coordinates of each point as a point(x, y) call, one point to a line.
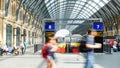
point(98, 26)
point(49, 26)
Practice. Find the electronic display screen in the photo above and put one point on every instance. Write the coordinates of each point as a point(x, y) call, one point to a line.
point(50, 26)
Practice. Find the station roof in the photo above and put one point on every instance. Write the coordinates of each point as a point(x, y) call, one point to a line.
point(72, 9)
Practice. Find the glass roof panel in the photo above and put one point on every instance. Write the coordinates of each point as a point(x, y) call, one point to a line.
point(106, 1)
point(78, 22)
point(62, 9)
point(70, 22)
point(82, 3)
point(61, 0)
point(84, 0)
point(93, 4)
point(97, 7)
point(101, 4)
point(73, 27)
point(46, 1)
point(90, 2)
point(96, 1)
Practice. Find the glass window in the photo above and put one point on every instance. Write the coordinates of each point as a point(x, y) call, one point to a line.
point(115, 27)
point(33, 23)
point(9, 35)
point(6, 7)
point(110, 27)
point(32, 37)
point(29, 42)
point(0, 4)
point(24, 35)
point(18, 36)
point(20, 15)
point(13, 9)
point(29, 21)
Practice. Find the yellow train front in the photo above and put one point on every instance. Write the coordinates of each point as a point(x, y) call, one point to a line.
point(76, 44)
point(69, 45)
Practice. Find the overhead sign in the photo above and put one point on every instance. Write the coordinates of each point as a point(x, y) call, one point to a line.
point(49, 26)
point(98, 26)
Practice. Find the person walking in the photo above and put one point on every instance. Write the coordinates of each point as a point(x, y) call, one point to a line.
point(115, 46)
point(25, 46)
point(90, 44)
point(22, 46)
point(1, 49)
point(48, 51)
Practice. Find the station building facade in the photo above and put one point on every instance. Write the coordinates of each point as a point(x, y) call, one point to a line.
point(17, 24)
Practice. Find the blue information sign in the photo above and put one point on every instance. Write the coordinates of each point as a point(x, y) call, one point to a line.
point(50, 26)
point(98, 26)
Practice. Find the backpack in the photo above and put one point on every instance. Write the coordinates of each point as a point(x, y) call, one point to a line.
point(45, 51)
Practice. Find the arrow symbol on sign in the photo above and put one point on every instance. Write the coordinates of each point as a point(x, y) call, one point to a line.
point(50, 27)
point(98, 26)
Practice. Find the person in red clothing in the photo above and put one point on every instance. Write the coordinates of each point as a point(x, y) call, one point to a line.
point(51, 49)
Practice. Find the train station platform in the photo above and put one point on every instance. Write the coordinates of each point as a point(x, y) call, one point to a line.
point(63, 61)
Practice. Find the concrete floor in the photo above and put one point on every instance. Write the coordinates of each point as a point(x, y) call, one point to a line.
point(63, 61)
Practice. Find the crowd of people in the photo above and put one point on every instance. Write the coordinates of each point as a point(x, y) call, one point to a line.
point(16, 50)
point(113, 44)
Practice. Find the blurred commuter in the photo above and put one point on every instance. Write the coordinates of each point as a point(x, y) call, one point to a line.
point(15, 49)
point(1, 49)
point(22, 47)
point(5, 47)
point(25, 46)
point(90, 44)
point(115, 45)
point(48, 51)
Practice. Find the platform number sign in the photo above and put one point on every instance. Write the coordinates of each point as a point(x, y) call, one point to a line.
point(50, 26)
point(98, 26)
